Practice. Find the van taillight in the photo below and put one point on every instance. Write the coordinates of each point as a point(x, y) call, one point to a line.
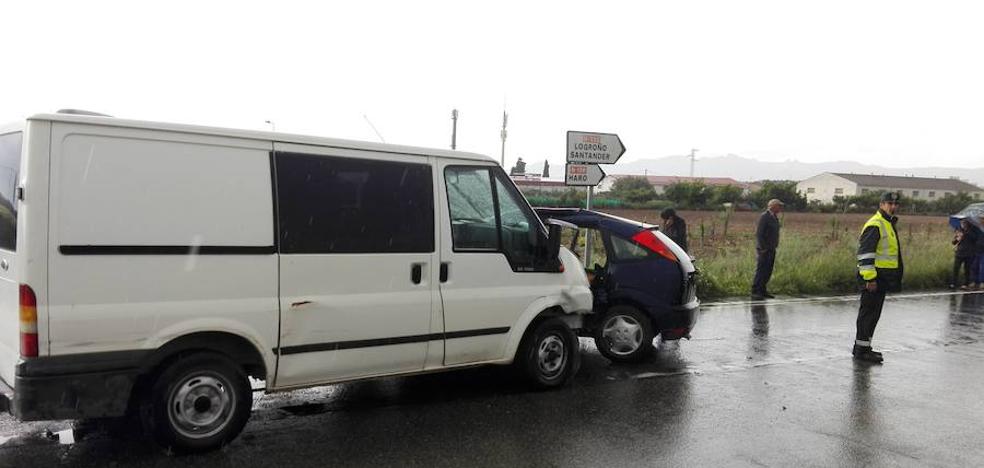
point(649, 240)
point(28, 322)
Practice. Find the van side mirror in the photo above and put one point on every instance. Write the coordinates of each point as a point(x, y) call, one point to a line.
point(554, 229)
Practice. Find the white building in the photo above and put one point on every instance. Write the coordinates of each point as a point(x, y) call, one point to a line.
point(824, 187)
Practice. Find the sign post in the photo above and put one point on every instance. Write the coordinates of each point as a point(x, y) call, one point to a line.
point(585, 150)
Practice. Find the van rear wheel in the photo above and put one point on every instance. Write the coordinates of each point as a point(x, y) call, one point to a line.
point(549, 356)
point(624, 334)
point(198, 403)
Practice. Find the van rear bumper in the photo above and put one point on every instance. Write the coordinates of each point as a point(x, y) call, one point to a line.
point(73, 387)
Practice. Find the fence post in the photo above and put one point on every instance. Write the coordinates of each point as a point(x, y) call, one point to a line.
point(727, 218)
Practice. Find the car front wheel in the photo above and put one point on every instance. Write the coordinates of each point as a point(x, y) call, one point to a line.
point(624, 334)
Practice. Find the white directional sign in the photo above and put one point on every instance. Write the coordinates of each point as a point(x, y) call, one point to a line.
point(593, 148)
point(584, 174)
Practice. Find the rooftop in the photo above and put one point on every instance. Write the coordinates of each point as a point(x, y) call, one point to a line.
point(906, 182)
point(669, 180)
point(255, 135)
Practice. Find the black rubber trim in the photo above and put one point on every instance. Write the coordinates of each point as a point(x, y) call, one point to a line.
point(276, 201)
point(81, 363)
point(480, 332)
point(341, 345)
point(166, 250)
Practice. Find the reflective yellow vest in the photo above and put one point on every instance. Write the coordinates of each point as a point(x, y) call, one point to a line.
point(886, 254)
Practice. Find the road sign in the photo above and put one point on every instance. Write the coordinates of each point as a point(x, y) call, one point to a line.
point(587, 175)
point(593, 148)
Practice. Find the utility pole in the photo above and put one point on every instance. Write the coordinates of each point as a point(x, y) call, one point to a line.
point(454, 128)
point(693, 154)
point(502, 134)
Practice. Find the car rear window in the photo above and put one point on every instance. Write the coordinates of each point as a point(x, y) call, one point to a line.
point(628, 250)
point(10, 156)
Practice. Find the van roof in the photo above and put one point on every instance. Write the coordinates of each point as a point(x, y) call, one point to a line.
point(260, 135)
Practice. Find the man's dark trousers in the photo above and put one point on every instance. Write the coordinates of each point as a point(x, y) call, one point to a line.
point(763, 271)
point(870, 312)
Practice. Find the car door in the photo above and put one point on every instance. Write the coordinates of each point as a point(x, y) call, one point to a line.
point(357, 264)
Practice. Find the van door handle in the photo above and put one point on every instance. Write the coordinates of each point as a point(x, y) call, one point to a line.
point(416, 271)
point(444, 272)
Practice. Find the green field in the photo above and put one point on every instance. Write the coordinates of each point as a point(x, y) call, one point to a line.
point(816, 253)
point(816, 264)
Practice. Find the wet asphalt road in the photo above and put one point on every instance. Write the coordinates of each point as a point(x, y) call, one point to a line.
point(769, 384)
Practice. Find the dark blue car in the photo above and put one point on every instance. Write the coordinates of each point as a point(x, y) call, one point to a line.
point(643, 283)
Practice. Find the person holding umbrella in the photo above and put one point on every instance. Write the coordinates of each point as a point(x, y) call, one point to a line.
point(965, 249)
point(968, 240)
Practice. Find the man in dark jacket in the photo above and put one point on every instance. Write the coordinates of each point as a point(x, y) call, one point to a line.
point(766, 243)
point(880, 267)
point(980, 255)
point(674, 227)
point(965, 240)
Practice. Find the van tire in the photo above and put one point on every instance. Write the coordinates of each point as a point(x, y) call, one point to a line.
point(624, 334)
point(198, 402)
point(549, 355)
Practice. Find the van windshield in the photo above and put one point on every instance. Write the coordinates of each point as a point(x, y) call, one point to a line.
point(10, 156)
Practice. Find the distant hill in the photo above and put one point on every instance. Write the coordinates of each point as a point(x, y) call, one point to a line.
point(747, 169)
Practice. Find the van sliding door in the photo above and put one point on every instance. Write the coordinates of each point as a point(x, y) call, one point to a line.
point(357, 264)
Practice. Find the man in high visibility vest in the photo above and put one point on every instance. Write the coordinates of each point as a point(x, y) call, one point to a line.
point(880, 267)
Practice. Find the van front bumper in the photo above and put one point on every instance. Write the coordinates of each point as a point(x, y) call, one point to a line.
point(71, 387)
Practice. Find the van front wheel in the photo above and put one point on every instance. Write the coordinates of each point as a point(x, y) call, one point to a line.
point(198, 403)
point(548, 355)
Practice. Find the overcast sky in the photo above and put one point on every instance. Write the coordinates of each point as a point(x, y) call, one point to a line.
point(882, 82)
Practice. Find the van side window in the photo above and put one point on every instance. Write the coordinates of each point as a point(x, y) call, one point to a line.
point(472, 207)
point(519, 239)
point(488, 214)
point(347, 205)
point(10, 156)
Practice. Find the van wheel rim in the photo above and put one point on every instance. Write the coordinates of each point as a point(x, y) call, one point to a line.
point(201, 405)
point(551, 356)
point(622, 334)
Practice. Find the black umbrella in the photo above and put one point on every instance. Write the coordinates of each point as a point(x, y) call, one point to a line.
point(973, 213)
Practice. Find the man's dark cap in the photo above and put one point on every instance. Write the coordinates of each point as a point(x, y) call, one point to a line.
point(667, 213)
point(890, 197)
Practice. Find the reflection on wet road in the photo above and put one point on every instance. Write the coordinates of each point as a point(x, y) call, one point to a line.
point(763, 384)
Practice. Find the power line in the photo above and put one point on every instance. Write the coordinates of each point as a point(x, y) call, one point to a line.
point(374, 128)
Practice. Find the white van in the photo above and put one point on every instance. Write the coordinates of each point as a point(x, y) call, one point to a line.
point(150, 268)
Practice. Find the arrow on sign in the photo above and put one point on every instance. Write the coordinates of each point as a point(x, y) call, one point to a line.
point(593, 148)
point(587, 175)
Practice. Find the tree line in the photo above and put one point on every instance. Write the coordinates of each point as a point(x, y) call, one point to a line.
point(637, 192)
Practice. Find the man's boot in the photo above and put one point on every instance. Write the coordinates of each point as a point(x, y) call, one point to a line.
point(864, 353)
